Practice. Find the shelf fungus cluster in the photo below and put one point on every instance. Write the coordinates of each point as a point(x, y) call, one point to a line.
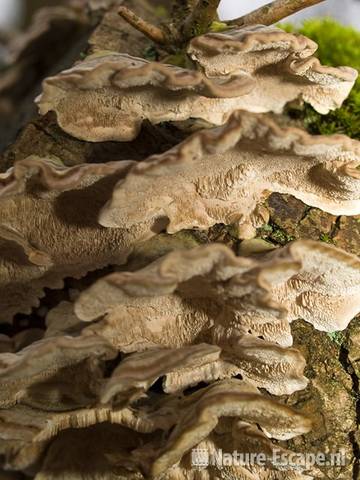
point(192, 317)
point(139, 369)
point(257, 69)
point(44, 239)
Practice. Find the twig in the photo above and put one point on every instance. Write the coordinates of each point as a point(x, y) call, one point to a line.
point(202, 16)
point(151, 31)
point(273, 12)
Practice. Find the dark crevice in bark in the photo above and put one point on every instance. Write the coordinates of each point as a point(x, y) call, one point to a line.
point(44, 138)
point(335, 227)
point(306, 212)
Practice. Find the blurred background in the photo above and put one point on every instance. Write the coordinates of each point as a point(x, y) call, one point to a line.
point(16, 13)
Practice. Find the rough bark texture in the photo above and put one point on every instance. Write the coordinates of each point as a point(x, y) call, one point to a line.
point(333, 361)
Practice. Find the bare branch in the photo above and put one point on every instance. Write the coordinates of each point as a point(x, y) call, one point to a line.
point(202, 16)
point(273, 12)
point(151, 31)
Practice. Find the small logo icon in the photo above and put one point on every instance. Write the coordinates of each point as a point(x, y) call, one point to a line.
point(200, 458)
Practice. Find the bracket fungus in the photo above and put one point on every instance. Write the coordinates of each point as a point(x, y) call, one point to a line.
point(39, 374)
point(182, 346)
point(43, 239)
point(258, 69)
point(45, 24)
point(282, 65)
point(286, 281)
point(264, 364)
point(160, 433)
point(209, 293)
point(222, 175)
point(107, 97)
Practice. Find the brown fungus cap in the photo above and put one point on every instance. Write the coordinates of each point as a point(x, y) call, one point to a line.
point(107, 97)
point(209, 292)
point(33, 55)
point(232, 398)
point(44, 239)
point(222, 175)
point(37, 375)
point(281, 63)
point(258, 69)
point(60, 19)
point(279, 370)
point(162, 433)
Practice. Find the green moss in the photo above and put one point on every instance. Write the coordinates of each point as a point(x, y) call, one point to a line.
point(180, 59)
point(218, 26)
point(337, 337)
point(280, 236)
point(151, 53)
point(267, 228)
point(338, 45)
point(274, 233)
point(325, 237)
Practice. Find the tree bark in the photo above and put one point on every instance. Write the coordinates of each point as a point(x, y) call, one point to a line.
point(199, 21)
